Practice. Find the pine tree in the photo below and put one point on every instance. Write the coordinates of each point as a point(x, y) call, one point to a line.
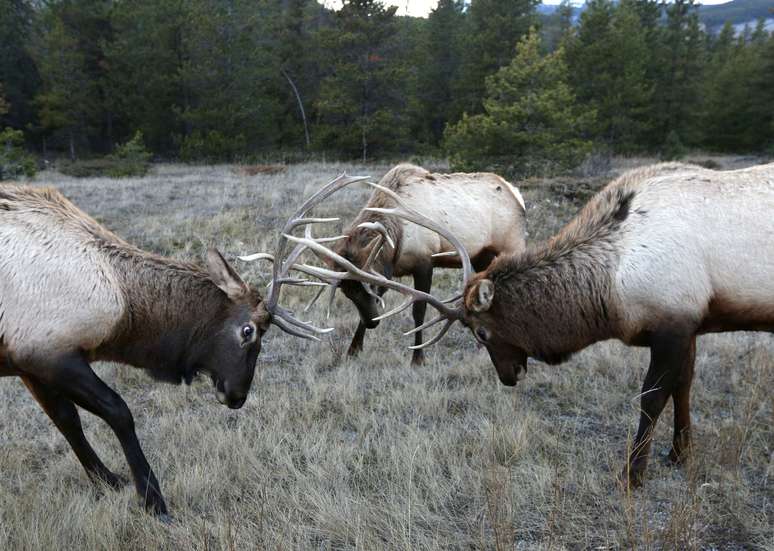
point(440, 68)
point(361, 105)
point(532, 123)
point(4, 106)
point(492, 31)
point(146, 59)
point(68, 101)
point(681, 55)
point(17, 69)
point(611, 45)
point(298, 72)
point(233, 78)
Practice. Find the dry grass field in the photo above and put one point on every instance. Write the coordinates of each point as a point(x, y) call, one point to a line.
point(370, 453)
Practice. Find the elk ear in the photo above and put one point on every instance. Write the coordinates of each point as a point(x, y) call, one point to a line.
point(224, 276)
point(483, 294)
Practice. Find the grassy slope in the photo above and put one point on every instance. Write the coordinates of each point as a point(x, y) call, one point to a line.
point(370, 453)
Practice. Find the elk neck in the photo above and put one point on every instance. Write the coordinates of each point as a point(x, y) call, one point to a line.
point(360, 238)
point(557, 297)
point(171, 307)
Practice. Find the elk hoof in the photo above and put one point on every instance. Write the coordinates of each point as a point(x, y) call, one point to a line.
point(632, 476)
point(155, 505)
point(115, 481)
point(354, 351)
point(166, 519)
point(677, 457)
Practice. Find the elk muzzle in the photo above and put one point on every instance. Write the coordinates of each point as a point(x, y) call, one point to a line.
point(509, 361)
point(234, 399)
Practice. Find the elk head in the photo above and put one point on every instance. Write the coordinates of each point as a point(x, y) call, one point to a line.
point(231, 348)
point(364, 247)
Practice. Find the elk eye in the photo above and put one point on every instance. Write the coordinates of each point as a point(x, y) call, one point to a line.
point(482, 334)
point(247, 331)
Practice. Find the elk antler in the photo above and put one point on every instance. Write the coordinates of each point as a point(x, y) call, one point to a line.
point(283, 263)
point(446, 313)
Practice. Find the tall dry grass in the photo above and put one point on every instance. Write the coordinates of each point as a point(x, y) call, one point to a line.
point(370, 453)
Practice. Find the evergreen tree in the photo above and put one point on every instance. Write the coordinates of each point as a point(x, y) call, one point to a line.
point(492, 31)
point(146, 59)
point(361, 105)
point(232, 77)
point(299, 73)
point(4, 106)
point(17, 69)
point(677, 105)
point(611, 45)
point(440, 66)
point(68, 101)
point(532, 123)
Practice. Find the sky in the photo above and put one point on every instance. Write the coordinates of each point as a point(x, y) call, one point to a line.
point(421, 8)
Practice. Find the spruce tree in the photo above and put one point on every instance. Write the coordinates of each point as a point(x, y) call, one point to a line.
point(611, 45)
point(362, 105)
point(440, 67)
point(532, 122)
point(493, 28)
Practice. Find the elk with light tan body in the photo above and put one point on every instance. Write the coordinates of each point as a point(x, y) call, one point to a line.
point(483, 210)
point(72, 292)
point(661, 255)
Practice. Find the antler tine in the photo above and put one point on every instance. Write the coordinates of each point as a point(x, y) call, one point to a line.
point(412, 215)
point(435, 339)
point(298, 219)
point(378, 227)
point(353, 272)
point(316, 297)
point(374, 253)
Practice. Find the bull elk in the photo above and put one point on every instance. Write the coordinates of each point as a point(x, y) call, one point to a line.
point(72, 292)
point(482, 209)
point(660, 255)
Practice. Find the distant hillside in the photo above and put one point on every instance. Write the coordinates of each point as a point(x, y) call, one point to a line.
point(737, 12)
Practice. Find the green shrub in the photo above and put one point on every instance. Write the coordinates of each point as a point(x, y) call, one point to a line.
point(15, 162)
point(212, 146)
point(129, 159)
point(673, 149)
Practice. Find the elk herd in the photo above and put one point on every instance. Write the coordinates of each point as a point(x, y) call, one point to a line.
point(660, 255)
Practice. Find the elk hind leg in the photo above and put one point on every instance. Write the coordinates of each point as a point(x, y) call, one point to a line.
point(423, 281)
point(668, 353)
point(681, 443)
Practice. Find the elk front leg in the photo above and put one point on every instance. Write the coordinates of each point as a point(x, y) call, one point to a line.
point(65, 416)
point(356, 346)
point(73, 377)
point(668, 354)
point(423, 281)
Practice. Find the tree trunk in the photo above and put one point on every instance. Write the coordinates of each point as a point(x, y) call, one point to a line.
point(300, 106)
point(365, 144)
point(72, 145)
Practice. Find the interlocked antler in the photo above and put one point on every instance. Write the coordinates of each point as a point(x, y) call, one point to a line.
point(281, 317)
point(446, 313)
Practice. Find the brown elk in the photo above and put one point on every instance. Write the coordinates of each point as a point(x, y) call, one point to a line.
point(659, 256)
point(482, 209)
point(72, 292)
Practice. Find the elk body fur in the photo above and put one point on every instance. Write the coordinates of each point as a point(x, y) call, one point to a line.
point(483, 210)
point(72, 292)
point(661, 255)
